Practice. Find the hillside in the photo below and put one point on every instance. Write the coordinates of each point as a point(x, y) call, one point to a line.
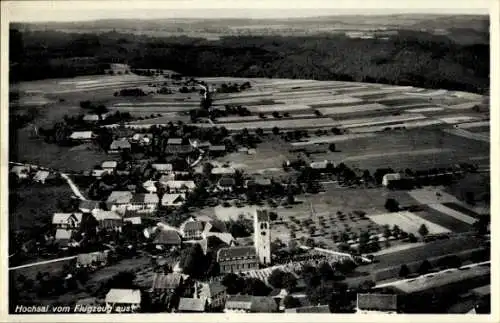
point(406, 58)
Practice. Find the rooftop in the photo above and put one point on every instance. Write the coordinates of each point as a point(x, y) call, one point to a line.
point(146, 198)
point(120, 197)
point(191, 305)
point(256, 304)
point(166, 281)
point(109, 164)
point(309, 309)
point(120, 144)
point(174, 141)
point(377, 302)
point(167, 237)
point(123, 296)
point(236, 253)
point(262, 215)
point(81, 135)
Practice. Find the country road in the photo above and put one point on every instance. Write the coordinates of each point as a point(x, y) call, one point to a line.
point(42, 262)
point(73, 186)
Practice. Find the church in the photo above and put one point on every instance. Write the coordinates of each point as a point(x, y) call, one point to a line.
point(244, 258)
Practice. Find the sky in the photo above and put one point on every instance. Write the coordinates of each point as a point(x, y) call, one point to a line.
point(38, 11)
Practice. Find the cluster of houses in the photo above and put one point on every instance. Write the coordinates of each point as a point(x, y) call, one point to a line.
point(33, 173)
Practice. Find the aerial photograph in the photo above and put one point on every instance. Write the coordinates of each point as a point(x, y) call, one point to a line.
point(249, 160)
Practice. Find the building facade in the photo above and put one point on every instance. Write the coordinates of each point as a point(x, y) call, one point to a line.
point(262, 236)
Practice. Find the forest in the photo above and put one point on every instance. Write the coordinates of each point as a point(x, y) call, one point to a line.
point(409, 58)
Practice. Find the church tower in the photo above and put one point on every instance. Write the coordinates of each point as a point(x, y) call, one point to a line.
point(262, 236)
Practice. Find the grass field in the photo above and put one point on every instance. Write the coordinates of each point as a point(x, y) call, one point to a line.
point(407, 221)
point(443, 220)
point(37, 151)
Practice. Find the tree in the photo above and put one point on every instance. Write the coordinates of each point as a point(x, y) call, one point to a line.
point(291, 302)
point(412, 238)
point(233, 283)
point(423, 231)
point(404, 271)
point(276, 131)
point(391, 205)
point(255, 287)
point(425, 267)
point(193, 261)
point(332, 147)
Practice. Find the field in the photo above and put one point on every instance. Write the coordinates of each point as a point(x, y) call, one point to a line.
point(407, 221)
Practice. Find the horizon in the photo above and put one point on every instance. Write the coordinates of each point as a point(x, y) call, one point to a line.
point(88, 11)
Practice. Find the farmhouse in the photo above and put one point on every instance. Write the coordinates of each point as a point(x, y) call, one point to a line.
point(22, 172)
point(119, 145)
point(258, 181)
point(124, 298)
point(144, 201)
point(191, 305)
point(63, 237)
point(162, 168)
point(387, 178)
point(166, 283)
point(178, 186)
point(214, 293)
point(42, 176)
point(167, 238)
point(192, 229)
point(119, 199)
point(67, 220)
point(82, 136)
point(109, 220)
point(93, 259)
point(173, 200)
point(309, 309)
point(376, 304)
point(109, 166)
point(250, 304)
point(237, 259)
point(87, 206)
point(134, 216)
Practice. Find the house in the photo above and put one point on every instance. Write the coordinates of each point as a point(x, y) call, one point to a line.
point(42, 176)
point(129, 300)
point(144, 201)
point(309, 309)
point(142, 139)
point(119, 199)
point(223, 171)
point(218, 150)
point(225, 237)
point(226, 184)
point(173, 200)
point(179, 186)
point(191, 305)
point(376, 303)
point(87, 206)
point(98, 173)
point(166, 283)
point(109, 165)
point(82, 136)
point(214, 293)
point(93, 117)
point(22, 172)
point(119, 145)
point(167, 238)
point(387, 178)
point(93, 259)
point(134, 216)
point(63, 237)
point(192, 230)
point(259, 182)
point(67, 220)
point(322, 165)
point(162, 168)
point(250, 304)
point(237, 259)
point(109, 220)
point(150, 186)
point(174, 141)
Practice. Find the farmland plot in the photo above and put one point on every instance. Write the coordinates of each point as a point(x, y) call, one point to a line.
point(352, 109)
point(278, 108)
point(353, 123)
point(407, 221)
point(453, 213)
point(281, 123)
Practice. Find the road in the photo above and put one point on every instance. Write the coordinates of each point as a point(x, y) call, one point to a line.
point(71, 184)
point(42, 262)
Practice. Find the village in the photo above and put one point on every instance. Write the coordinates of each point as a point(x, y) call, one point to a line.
point(168, 220)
